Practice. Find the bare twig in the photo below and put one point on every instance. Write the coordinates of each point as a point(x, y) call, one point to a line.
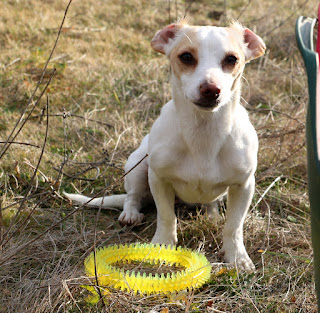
point(266, 191)
point(94, 257)
point(30, 183)
point(91, 165)
point(266, 236)
point(277, 112)
point(187, 8)
point(20, 143)
point(11, 137)
point(94, 163)
point(20, 248)
point(1, 221)
point(26, 219)
point(69, 114)
point(244, 9)
point(285, 20)
point(65, 135)
point(76, 176)
point(35, 195)
point(277, 134)
point(65, 155)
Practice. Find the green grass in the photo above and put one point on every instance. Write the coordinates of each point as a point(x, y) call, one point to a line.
point(113, 85)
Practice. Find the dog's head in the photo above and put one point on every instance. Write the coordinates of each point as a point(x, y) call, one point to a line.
point(207, 61)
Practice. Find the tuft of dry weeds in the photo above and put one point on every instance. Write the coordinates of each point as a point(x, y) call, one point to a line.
point(107, 87)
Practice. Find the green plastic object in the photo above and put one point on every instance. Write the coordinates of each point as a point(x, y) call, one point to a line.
point(304, 36)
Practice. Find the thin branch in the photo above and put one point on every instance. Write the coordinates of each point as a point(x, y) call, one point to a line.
point(41, 200)
point(76, 176)
point(277, 112)
point(244, 9)
point(281, 134)
point(26, 219)
point(11, 137)
point(31, 181)
point(94, 257)
point(187, 8)
point(20, 143)
point(69, 114)
point(7, 144)
point(266, 191)
point(285, 20)
point(65, 155)
point(1, 221)
point(35, 195)
point(17, 250)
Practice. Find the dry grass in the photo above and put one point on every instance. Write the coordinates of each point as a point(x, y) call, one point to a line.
point(109, 87)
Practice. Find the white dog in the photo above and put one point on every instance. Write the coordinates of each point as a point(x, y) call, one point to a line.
point(203, 144)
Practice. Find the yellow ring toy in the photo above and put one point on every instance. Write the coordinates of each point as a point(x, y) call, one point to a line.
point(196, 273)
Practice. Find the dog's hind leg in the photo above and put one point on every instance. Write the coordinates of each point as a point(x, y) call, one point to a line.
point(212, 211)
point(136, 185)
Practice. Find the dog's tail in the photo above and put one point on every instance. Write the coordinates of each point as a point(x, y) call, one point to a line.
point(115, 201)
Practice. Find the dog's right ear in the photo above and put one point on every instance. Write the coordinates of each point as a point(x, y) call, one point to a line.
point(164, 37)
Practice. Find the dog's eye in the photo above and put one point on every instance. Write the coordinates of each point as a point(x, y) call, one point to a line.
point(187, 58)
point(231, 60)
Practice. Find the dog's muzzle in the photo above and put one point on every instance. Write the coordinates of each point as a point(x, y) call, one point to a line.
point(209, 96)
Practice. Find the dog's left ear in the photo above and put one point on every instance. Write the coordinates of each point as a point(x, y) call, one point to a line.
point(255, 45)
point(162, 40)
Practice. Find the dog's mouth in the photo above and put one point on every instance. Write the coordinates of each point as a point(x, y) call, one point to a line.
point(205, 104)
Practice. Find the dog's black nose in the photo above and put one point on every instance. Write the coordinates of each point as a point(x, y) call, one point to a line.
point(209, 91)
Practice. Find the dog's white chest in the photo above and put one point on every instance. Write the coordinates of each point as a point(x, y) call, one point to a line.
point(200, 161)
point(198, 191)
point(195, 179)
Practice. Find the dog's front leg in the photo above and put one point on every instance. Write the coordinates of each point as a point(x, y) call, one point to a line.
point(164, 196)
point(239, 199)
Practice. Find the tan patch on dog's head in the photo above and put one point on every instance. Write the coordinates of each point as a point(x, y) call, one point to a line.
point(235, 37)
point(252, 45)
point(187, 46)
point(233, 62)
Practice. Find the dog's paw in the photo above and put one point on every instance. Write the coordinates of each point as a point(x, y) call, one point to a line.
point(239, 259)
point(168, 239)
point(132, 217)
point(245, 264)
